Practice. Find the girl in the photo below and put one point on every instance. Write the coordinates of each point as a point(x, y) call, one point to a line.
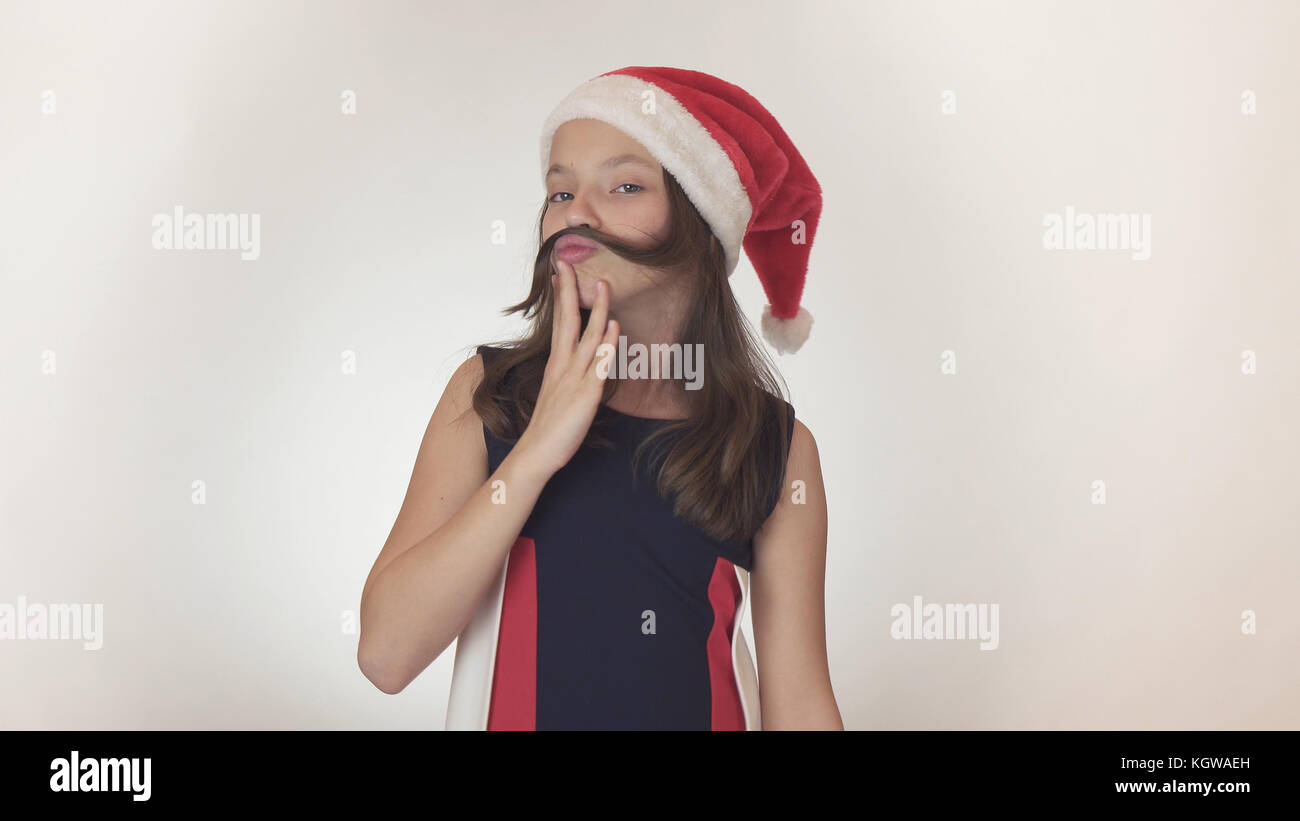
point(589, 540)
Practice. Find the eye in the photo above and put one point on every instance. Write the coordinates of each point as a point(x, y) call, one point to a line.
point(639, 189)
point(627, 185)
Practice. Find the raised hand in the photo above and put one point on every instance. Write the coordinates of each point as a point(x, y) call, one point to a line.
point(574, 380)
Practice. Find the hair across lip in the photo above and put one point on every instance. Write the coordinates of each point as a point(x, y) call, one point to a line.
point(573, 241)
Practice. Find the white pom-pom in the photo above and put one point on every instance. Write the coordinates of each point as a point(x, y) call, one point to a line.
point(786, 335)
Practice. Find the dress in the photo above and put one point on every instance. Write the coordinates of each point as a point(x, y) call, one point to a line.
point(610, 612)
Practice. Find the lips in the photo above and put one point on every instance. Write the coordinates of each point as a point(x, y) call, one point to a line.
point(574, 253)
point(574, 249)
point(573, 241)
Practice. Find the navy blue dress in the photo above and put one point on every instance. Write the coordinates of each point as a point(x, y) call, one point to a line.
point(615, 613)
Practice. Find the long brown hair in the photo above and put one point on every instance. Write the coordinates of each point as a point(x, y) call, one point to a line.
point(719, 475)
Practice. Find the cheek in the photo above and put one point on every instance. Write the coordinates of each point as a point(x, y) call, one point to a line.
point(552, 225)
point(650, 218)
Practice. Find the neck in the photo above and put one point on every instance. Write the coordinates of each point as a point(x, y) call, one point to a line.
point(653, 318)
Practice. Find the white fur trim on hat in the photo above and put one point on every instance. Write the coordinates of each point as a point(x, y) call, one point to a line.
point(786, 335)
point(676, 139)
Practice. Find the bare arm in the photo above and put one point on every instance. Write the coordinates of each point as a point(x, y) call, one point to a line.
point(448, 543)
point(789, 602)
point(457, 524)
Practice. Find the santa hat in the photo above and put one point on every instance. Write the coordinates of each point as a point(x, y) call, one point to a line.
point(733, 160)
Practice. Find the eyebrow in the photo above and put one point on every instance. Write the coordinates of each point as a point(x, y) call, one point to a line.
point(621, 159)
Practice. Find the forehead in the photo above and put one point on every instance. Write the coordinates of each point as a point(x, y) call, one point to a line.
point(590, 142)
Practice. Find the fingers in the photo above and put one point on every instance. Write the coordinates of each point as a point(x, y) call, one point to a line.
point(605, 352)
point(566, 347)
point(566, 322)
point(595, 325)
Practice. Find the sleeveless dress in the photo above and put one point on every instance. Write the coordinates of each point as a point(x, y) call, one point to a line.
point(610, 612)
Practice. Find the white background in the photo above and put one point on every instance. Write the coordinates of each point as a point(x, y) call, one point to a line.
point(183, 366)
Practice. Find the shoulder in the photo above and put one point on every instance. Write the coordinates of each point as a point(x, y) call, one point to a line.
point(473, 369)
point(469, 373)
point(802, 439)
point(459, 393)
point(799, 513)
point(803, 461)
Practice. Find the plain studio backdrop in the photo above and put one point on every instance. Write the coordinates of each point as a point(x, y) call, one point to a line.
point(1100, 442)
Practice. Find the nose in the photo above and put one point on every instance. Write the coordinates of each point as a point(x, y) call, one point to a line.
point(579, 212)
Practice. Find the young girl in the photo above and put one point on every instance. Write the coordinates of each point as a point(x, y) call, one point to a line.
point(588, 529)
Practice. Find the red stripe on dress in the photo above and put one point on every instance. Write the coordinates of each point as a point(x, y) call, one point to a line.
point(724, 595)
point(514, 678)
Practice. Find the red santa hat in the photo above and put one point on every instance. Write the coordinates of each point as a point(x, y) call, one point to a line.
point(732, 159)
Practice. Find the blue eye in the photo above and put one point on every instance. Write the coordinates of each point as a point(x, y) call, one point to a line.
point(634, 185)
